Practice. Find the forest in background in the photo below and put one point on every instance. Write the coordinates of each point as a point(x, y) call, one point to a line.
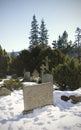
point(64, 56)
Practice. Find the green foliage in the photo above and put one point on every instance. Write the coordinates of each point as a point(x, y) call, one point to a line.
point(43, 37)
point(20, 62)
point(31, 60)
point(68, 74)
point(13, 84)
point(13, 66)
point(34, 40)
point(63, 44)
point(62, 41)
point(78, 42)
point(35, 60)
point(4, 63)
point(58, 57)
point(38, 35)
point(24, 61)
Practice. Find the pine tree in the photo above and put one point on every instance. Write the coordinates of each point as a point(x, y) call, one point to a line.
point(43, 34)
point(34, 39)
point(60, 42)
point(63, 41)
point(78, 37)
point(78, 42)
point(4, 62)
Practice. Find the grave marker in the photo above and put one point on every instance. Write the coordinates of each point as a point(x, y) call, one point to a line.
point(27, 76)
point(45, 75)
point(37, 96)
point(47, 78)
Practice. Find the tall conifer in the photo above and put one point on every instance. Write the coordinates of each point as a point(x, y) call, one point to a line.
point(34, 39)
point(43, 34)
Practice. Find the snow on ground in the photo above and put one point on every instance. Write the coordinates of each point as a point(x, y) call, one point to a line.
point(61, 116)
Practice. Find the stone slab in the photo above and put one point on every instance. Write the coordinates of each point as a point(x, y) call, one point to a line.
point(27, 76)
point(37, 96)
point(47, 78)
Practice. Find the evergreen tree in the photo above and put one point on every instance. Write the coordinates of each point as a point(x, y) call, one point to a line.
point(63, 44)
point(78, 42)
point(43, 34)
point(4, 62)
point(78, 36)
point(54, 43)
point(63, 41)
point(68, 74)
point(60, 42)
point(34, 39)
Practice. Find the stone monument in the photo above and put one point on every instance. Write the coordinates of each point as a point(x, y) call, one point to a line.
point(47, 78)
point(45, 75)
point(26, 76)
point(37, 96)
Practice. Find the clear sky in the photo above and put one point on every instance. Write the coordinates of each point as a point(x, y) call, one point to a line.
point(16, 17)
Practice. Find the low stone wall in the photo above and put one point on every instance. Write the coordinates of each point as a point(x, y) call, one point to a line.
point(37, 96)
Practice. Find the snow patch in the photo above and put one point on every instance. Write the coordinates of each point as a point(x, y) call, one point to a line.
point(62, 116)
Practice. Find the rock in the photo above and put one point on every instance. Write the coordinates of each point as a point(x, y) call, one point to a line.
point(79, 98)
point(4, 91)
point(64, 98)
point(75, 99)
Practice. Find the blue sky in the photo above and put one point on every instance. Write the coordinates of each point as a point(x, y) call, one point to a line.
point(16, 17)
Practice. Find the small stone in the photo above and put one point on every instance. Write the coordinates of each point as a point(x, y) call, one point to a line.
point(65, 98)
point(75, 99)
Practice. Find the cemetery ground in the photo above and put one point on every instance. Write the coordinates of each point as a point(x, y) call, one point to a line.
point(60, 116)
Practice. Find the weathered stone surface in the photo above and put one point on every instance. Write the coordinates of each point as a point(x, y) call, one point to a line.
point(37, 96)
point(64, 98)
point(4, 91)
point(27, 76)
point(47, 78)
